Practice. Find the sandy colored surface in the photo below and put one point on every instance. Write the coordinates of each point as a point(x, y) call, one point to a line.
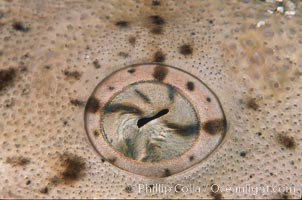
point(54, 53)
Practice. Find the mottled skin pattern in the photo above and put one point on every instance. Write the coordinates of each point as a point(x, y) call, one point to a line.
point(60, 50)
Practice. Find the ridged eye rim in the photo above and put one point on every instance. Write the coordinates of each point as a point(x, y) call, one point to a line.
point(205, 102)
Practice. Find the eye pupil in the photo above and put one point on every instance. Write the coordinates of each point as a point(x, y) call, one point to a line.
point(141, 122)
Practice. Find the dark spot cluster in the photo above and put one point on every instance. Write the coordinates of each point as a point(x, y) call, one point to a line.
point(72, 74)
point(190, 85)
point(287, 141)
point(191, 158)
point(252, 104)
point(215, 126)
point(77, 102)
point(19, 26)
point(7, 76)
point(73, 167)
point(215, 193)
point(186, 49)
point(92, 105)
point(285, 195)
point(18, 161)
point(122, 24)
point(157, 22)
point(159, 56)
point(129, 189)
point(160, 73)
point(96, 64)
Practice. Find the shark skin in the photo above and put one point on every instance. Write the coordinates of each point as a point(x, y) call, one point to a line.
point(54, 53)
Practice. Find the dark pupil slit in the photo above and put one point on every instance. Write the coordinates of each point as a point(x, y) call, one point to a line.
point(141, 122)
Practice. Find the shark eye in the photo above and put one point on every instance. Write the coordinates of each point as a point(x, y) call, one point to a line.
point(151, 118)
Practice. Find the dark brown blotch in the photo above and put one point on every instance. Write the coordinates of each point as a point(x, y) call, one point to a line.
point(215, 193)
point(55, 180)
point(122, 24)
point(129, 189)
point(167, 173)
point(242, 154)
point(157, 30)
point(77, 102)
point(160, 73)
point(72, 74)
point(19, 26)
point(73, 167)
point(191, 158)
point(92, 105)
point(131, 71)
point(47, 67)
point(23, 68)
point(155, 2)
point(190, 85)
point(111, 160)
point(159, 56)
point(211, 21)
point(252, 104)
point(285, 195)
point(44, 190)
point(96, 133)
point(215, 126)
point(287, 141)
point(132, 40)
point(157, 20)
point(123, 54)
point(18, 161)
point(208, 99)
point(96, 64)
point(7, 76)
point(186, 49)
